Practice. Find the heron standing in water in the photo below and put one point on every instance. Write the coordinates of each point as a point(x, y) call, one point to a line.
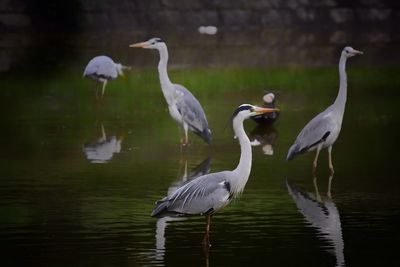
point(323, 130)
point(103, 69)
point(182, 105)
point(207, 194)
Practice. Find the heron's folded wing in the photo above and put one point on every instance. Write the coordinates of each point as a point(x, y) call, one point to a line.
point(190, 109)
point(315, 132)
point(201, 195)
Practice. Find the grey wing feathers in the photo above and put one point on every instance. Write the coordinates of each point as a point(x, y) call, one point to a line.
point(315, 132)
point(202, 195)
point(192, 113)
point(101, 67)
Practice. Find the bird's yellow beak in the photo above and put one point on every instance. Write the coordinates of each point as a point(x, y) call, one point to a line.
point(358, 52)
point(139, 45)
point(259, 110)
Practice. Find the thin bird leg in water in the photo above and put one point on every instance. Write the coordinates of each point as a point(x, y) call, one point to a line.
point(206, 240)
point(96, 89)
point(104, 88)
point(330, 159)
point(103, 133)
point(316, 159)
point(185, 129)
point(329, 186)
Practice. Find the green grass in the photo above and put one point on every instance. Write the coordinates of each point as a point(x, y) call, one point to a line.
point(67, 100)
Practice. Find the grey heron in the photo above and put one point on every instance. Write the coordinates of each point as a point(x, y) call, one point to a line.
point(183, 107)
point(183, 176)
point(208, 193)
point(323, 130)
point(269, 102)
point(103, 69)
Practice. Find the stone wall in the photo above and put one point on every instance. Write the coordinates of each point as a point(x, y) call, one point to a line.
point(100, 15)
point(251, 33)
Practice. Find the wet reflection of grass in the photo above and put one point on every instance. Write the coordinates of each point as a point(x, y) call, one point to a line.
point(51, 190)
point(66, 102)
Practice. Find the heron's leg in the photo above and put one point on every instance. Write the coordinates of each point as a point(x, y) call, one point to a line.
point(330, 159)
point(184, 138)
point(96, 89)
point(206, 239)
point(181, 135)
point(186, 129)
point(316, 158)
point(104, 88)
point(329, 186)
point(103, 133)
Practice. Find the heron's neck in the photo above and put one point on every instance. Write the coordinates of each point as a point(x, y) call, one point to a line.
point(242, 171)
point(166, 84)
point(340, 101)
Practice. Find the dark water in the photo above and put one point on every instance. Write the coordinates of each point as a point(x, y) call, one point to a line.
point(79, 178)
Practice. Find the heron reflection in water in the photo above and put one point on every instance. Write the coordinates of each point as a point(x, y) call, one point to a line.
point(322, 214)
point(103, 148)
point(264, 136)
point(183, 176)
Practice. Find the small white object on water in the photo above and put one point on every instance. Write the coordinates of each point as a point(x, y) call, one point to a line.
point(210, 30)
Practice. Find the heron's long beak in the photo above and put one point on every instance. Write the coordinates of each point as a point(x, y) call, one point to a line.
point(358, 52)
point(259, 110)
point(139, 45)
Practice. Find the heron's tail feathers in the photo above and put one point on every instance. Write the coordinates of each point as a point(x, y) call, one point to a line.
point(160, 209)
point(205, 135)
point(293, 151)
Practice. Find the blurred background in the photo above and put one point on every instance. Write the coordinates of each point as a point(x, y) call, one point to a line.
point(251, 33)
point(79, 177)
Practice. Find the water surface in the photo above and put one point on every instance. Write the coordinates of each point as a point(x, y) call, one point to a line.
point(80, 177)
